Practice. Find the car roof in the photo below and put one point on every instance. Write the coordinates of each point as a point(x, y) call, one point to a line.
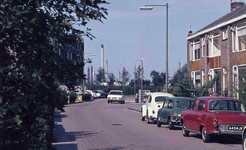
point(115, 91)
point(181, 98)
point(161, 94)
point(208, 98)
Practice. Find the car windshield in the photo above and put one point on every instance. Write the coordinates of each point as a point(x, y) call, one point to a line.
point(226, 105)
point(160, 99)
point(184, 104)
point(115, 93)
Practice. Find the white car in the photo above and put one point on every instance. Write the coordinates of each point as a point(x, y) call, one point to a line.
point(154, 102)
point(97, 93)
point(93, 94)
point(116, 96)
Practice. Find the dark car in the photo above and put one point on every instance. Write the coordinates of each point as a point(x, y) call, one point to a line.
point(171, 110)
point(103, 94)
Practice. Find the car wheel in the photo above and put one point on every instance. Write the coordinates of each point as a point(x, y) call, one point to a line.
point(205, 137)
point(143, 118)
point(170, 124)
point(109, 102)
point(184, 131)
point(244, 142)
point(158, 122)
point(147, 117)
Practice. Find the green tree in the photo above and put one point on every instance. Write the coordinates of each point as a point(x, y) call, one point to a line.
point(111, 79)
point(124, 76)
point(30, 69)
point(158, 79)
point(100, 76)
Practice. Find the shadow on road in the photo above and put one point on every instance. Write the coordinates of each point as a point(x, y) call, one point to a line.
point(67, 140)
point(221, 139)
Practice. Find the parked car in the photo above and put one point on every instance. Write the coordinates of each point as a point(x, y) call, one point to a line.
point(214, 116)
point(171, 111)
point(116, 96)
point(103, 94)
point(244, 138)
point(93, 94)
point(154, 102)
point(97, 93)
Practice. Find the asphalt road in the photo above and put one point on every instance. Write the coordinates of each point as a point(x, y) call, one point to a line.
point(97, 125)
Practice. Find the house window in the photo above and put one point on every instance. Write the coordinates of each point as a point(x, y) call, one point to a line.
point(214, 46)
point(196, 51)
point(241, 38)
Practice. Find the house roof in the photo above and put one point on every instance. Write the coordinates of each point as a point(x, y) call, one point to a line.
point(231, 17)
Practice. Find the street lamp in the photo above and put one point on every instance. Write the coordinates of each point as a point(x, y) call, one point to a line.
point(150, 7)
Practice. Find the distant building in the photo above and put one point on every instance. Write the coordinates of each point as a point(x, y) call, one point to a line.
point(219, 49)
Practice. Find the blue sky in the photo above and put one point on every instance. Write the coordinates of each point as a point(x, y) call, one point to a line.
point(131, 34)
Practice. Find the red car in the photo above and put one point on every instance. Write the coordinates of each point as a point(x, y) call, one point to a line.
point(214, 116)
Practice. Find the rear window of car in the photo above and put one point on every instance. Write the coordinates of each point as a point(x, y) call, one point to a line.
point(160, 99)
point(184, 104)
point(115, 93)
point(226, 105)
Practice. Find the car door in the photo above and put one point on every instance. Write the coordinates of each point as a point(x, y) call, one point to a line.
point(163, 111)
point(168, 110)
point(197, 116)
point(189, 117)
point(148, 104)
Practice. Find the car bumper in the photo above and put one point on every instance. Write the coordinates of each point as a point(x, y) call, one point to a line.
point(154, 118)
point(177, 122)
point(115, 100)
point(223, 129)
point(227, 132)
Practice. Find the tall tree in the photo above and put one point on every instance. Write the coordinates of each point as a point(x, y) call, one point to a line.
point(158, 79)
point(111, 78)
point(100, 76)
point(30, 69)
point(124, 76)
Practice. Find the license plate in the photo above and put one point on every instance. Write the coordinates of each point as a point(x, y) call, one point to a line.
point(235, 128)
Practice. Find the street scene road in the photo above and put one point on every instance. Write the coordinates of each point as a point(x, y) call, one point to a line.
point(97, 125)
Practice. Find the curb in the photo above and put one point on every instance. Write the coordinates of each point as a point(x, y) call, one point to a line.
point(135, 109)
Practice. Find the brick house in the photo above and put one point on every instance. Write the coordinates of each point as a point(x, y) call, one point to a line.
point(219, 49)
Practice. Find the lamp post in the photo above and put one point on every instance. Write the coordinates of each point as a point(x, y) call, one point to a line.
point(150, 7)
point(83, 84)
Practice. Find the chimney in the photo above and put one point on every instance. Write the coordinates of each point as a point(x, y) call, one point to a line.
point(102, 57)
point(235, 5)
point(106, 70)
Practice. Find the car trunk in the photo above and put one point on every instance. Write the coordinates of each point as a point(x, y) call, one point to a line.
point(233, 117)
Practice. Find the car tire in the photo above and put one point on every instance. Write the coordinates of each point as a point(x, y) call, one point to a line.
point(170, 124)
point(184, 131)
point(244, 142)
point(205, 137)
point(109, 102)
point(143, 118)
point(147, 117)
point(158, 122)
